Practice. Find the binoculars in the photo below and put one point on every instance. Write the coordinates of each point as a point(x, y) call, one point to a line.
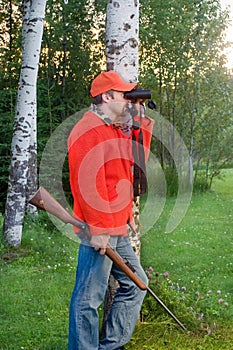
point(140, 94)
point(137, 94)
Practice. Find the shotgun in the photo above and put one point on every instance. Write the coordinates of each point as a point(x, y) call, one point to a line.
point(42, 199)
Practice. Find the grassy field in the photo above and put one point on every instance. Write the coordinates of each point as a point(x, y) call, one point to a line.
point(198, 258)
point(37, 280)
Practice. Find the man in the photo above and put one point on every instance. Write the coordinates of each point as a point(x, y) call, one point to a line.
point(100, 162)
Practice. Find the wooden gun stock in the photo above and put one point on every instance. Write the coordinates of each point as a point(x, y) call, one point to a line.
point(42, 199)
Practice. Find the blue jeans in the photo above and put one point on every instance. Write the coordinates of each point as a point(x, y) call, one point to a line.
point(91, 283)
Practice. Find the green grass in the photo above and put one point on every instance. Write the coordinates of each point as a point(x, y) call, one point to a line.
point(37, 280)
point(36, 285)
point(198, 257)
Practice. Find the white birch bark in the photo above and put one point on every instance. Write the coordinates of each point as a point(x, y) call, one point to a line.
point(122, 42)
point(22, 177)
point(122, 38)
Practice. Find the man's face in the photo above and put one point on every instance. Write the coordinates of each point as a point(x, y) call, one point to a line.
point(118, 103)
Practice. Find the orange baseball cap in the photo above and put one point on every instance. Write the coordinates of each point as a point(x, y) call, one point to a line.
point(110, 80)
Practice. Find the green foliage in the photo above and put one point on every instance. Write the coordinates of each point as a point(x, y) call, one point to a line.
point(195, 310)
point(201, 183)
point(174, 297)
point(182, 62)
point(9, 64)
point(71, 54)
point(172, 181)
point(187, 77)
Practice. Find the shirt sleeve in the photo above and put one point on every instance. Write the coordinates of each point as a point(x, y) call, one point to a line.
point(147, 125)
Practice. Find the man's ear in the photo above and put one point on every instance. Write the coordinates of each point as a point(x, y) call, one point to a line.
point(106, 97)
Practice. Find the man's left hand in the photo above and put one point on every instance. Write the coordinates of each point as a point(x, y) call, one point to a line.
point(100, 242)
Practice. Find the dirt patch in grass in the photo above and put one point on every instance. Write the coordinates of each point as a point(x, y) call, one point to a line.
point(14, 254)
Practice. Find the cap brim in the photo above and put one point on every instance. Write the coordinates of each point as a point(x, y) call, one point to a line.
point(126, 87)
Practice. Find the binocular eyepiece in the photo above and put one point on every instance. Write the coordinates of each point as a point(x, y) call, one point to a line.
point(137, 94)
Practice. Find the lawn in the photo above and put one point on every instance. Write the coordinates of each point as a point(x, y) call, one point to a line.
point(196, 258)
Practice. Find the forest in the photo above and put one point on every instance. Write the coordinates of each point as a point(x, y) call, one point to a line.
point(181, 61)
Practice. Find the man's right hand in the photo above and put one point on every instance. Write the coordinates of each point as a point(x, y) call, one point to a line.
point(100, 242)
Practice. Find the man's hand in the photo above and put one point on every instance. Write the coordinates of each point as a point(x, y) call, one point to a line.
point(100, 242)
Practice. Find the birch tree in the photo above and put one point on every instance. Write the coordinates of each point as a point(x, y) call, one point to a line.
point(122, 42)
point(23, 167)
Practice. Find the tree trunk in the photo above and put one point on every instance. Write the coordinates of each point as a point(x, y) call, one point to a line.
point(22, 177)
point(122, 38)
point(122, 41)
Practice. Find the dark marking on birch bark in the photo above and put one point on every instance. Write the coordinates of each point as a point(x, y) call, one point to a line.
point(116, 4)
point(28, 67)
point(17, 173)
point(110, 66)
point(18, 150)
point(127, 27)
point(36, 19)
point(29, 125)
point(116, 49)
point(133, 43)
point(31, 31)
point(24, 83)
